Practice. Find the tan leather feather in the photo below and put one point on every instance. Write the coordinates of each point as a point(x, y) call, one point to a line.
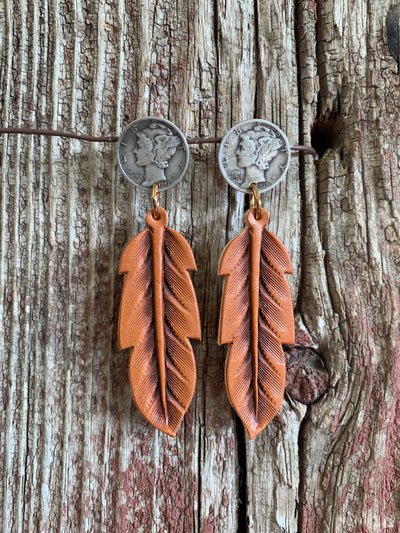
point(256, 319)
point(158, 314)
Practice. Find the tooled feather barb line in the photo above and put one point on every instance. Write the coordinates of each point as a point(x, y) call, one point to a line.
point(158, 315)
point(256, 319)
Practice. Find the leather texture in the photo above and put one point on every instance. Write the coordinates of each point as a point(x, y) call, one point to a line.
point(256, 318)
point(158, 314)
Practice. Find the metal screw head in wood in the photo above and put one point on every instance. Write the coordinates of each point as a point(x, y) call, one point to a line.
point(254, 152)
point(153, 150)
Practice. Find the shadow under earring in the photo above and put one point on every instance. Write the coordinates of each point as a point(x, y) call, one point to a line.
point(256, 315)
point(159, 311)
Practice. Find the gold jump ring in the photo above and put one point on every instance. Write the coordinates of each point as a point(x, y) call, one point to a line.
point(255, 200)
point(156, 201)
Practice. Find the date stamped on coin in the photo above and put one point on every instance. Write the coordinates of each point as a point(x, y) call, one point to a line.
point(153, 150)
point(254, 151)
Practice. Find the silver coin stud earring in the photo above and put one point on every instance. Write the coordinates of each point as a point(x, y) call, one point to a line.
point(159, 311)
point(256, 315)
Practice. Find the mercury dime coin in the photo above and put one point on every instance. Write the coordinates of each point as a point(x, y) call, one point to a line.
point(153, 150)
point(254, 151)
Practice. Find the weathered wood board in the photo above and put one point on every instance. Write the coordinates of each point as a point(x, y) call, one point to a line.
point(75, 454)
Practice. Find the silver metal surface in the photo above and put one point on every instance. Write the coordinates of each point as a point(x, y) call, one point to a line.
point(153, 150)
point(254, 151)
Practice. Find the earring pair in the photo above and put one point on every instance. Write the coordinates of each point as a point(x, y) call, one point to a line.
point(159, 311)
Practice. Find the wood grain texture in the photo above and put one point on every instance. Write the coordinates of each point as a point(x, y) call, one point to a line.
point(256, 318)
point(351, 272)
point(75, 453)
point(158, 314)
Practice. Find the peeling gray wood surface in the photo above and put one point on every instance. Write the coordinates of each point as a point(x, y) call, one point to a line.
point(75, 455)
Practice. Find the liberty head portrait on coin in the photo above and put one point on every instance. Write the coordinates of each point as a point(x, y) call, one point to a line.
point(155, 147)
point(254, 151)
point(153, 150)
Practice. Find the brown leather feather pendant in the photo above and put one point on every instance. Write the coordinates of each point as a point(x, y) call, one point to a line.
point(256, 319)
point(158, 314)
